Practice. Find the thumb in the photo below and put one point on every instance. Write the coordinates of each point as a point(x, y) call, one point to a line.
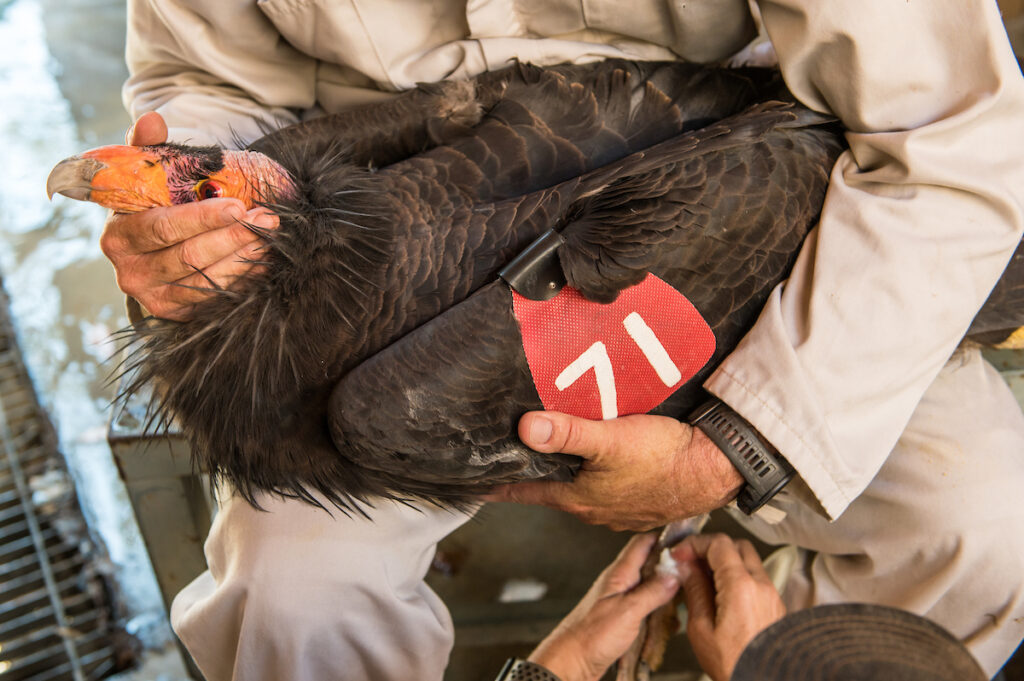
point(650, 595)
point(149, 129)
point(552, 431)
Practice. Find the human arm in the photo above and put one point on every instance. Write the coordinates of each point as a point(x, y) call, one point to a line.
point(213, 70)
point(607, 619)
point(729, 599)
point(921, 216)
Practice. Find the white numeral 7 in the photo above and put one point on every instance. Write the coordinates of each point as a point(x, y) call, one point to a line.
point(596, 357)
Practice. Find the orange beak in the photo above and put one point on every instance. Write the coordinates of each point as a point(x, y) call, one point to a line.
point(123, 178)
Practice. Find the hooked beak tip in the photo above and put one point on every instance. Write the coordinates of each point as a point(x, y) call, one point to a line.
point(72, 178)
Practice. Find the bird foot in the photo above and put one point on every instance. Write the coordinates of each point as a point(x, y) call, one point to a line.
point(647, 652)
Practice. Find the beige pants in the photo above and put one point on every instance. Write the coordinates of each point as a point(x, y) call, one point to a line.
point(296, 594)
point(940, 530)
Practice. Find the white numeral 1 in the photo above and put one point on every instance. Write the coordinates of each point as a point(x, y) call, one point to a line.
point(652, 348)
point(595, 357)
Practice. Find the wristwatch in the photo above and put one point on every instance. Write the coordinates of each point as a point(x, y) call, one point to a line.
point(524, 670)
point(765, 471)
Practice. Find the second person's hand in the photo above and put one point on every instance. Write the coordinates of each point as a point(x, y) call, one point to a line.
point(729, 598)
point(607, 620)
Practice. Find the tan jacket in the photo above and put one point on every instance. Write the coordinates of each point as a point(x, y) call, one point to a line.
point(207, 65)
point(921, 217)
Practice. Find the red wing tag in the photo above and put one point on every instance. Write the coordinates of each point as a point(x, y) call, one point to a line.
point(602, 361)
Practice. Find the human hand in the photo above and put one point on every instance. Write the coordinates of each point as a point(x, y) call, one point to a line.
point(606, 621)
point(166, 257)
point(728, 607)
point(638, 472)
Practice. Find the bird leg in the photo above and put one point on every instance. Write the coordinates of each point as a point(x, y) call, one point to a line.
point(647, 651)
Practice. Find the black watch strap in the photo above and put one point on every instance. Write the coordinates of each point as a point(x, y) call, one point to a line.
point(760, 464)
point(523, 670)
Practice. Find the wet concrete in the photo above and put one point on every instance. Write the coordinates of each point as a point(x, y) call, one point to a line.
point(60, 78)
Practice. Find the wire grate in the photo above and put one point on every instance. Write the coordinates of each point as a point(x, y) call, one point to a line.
point(56, 619)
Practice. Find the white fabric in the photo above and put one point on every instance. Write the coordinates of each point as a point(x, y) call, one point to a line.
point(923, 213)
point(299, 594)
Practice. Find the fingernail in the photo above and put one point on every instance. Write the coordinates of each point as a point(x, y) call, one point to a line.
point(668, 582)
point(232, 213)
point(684, 569)
point(263, 220)
point(540, 430)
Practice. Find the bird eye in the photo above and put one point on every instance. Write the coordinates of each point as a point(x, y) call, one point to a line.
point(208, 189)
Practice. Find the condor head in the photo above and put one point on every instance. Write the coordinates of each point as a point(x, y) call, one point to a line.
point(130, 179)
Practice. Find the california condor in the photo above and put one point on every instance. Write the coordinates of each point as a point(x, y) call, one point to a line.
point(376, 353)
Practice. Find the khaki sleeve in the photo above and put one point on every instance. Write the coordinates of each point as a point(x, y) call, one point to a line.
point(922, 215)
point(213, 69)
